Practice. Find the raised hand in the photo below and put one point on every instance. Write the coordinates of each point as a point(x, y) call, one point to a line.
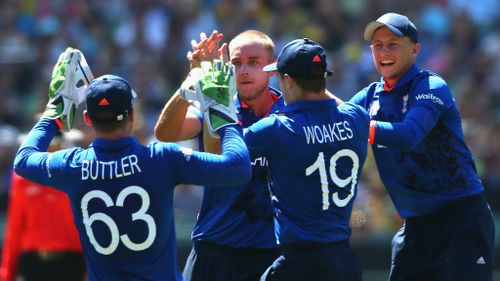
point(64, 93)
point(207, 49)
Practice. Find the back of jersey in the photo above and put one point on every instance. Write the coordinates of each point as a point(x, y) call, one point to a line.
point(315, 152)
point(125, 218)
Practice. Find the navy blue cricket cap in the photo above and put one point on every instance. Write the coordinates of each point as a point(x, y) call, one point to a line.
point(398, 24)
point(109, 98)
point(303, 59)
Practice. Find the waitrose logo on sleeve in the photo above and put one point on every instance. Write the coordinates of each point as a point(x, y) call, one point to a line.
point(430, 97)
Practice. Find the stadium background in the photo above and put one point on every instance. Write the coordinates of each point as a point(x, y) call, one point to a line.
point(146, 41)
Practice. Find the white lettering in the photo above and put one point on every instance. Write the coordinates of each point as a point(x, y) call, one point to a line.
point(332, 132)
point(350, 134)
point(318, 133)
point(126, 166)
point(328, 138)
point(340, 127)
point(134, 162)
point(96, 170)
point(85, 169)
point(328, 133)
point(261, 162)
point(430, 97)
point(309, 134)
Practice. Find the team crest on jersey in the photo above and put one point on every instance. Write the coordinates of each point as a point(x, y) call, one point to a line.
point(405, 104)
point(374, 108)
point(187, 152)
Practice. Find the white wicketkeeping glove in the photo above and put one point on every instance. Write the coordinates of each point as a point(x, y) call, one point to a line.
point(213, 87)
point(70, 78)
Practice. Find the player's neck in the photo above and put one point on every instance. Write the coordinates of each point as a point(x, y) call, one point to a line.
point(323, 95)
point(261, 104)
point(389, 83)
point(115, 135)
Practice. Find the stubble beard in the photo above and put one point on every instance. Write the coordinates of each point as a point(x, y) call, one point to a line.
point(254, 94)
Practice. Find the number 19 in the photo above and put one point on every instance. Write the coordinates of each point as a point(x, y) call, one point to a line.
point(319, 165)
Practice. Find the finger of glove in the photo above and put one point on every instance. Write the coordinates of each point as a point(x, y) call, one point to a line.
point(227, 73)
point(59, 68)
point(207, 68)
point(55, 84)
point(218, 72)
point(58, 72)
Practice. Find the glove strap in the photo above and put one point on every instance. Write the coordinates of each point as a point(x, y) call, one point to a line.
point(59, 123)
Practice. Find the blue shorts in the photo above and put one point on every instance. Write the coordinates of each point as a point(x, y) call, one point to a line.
point(211, 262)
point(454, 244)
point(315, 261)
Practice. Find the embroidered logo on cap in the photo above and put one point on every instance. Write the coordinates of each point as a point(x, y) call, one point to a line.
point(104, 102)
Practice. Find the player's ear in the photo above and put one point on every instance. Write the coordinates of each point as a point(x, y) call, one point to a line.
point(86, 118)
point(415, 49)
point(288, 80)
point(131, 115)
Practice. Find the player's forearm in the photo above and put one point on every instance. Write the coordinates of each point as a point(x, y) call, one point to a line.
point(210, 143)
point(31, 156)
point(229, 169)
point(408, 133)
point(238, 169)
point(402, 135)
point(169, 126)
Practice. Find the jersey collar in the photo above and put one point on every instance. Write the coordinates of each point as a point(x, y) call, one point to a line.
point(241, 104)
point(308, 104)
point(114, 144)
point(410, 74)
point(247, 117)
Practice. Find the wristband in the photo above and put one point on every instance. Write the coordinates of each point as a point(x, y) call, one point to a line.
point(371, 132)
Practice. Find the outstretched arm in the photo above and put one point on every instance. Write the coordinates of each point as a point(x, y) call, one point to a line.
point(175, 122)
point(230, 168)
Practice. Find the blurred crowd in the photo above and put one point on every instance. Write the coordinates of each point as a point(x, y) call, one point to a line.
point(146, 42)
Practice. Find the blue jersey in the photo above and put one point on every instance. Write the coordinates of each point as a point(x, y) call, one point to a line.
point(315, 151)
point(240, 216)
point(121, 195)
point(419, 145)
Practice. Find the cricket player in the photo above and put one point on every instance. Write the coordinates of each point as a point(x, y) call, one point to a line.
point(315, 151)
point(121, 191)
point(233, 238)
point(424, 163)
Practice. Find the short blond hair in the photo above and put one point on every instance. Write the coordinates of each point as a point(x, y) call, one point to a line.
point(252, 36)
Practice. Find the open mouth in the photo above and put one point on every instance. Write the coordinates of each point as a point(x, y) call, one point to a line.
point(387, 62)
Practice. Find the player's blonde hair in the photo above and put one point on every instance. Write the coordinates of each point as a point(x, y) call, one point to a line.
point(251, 36)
